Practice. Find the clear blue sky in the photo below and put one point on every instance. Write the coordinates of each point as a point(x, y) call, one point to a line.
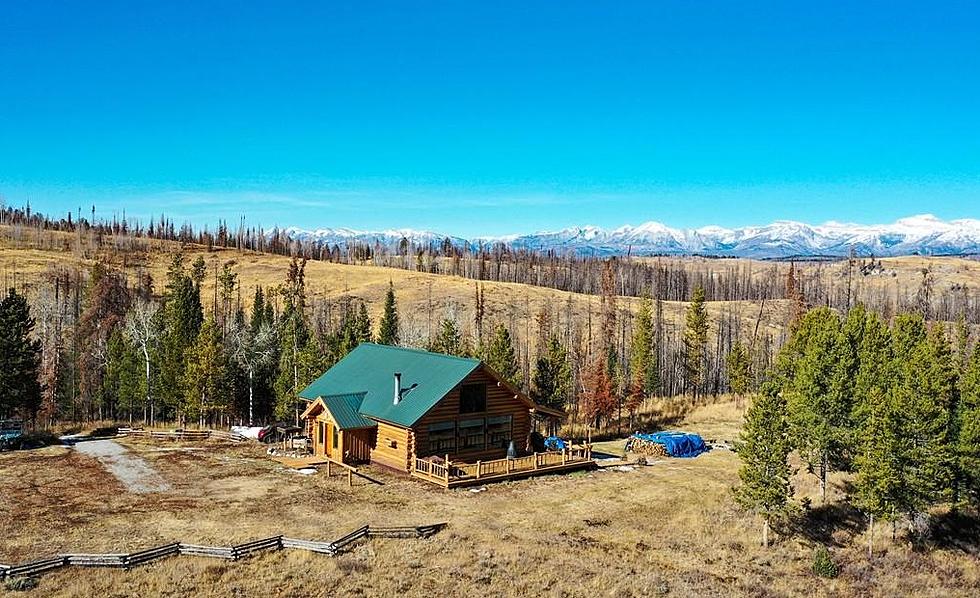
point(492, 117)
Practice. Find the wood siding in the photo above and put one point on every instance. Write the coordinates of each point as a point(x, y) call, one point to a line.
point(356, 444)
point(352, 445)
point(401, 455)
point(500, 401)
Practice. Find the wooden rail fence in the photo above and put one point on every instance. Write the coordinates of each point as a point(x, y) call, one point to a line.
point(188, 435)
point(232, 553)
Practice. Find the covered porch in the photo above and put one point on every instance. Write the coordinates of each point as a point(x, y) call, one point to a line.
point(337, 431)
point(452, 474)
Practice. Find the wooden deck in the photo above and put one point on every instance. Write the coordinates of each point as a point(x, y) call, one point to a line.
point(452, 475)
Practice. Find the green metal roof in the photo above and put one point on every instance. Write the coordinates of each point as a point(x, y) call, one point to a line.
point(369, 370)
point(344, 408)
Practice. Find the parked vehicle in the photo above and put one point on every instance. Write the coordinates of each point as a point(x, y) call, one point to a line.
point(278, 432)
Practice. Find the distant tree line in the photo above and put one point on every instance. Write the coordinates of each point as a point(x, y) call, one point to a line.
point(665, 278)
point(114, 348)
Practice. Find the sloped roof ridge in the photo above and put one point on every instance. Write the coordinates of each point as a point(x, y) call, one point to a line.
point(425, 352)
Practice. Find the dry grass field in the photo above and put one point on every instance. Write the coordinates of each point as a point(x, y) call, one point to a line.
point(423, 298)
point(665, 529)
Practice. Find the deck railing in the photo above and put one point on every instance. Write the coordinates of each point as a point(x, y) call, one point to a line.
point(449, 472)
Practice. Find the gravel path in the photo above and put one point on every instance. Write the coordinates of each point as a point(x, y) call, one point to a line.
point(135, 473)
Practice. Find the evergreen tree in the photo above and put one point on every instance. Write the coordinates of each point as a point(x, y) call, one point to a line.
point(695, 342)
point(644, 377)
point(962, 344)
point(739, 370)
point(552, 376)
point(205, 382)
point(449, 340)
point(500, 356)
point(763, 448)
point(879, 461)
point(968, 419)
point(874, 374)
point(388, 329)
point(293, 338)
point(181, 319)
point(363, 327)
point(20, 358)
point(123, 383)
point(819, 408)
point(258, 311)
point(926, 393)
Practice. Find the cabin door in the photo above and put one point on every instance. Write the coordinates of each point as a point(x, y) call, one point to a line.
point(329, 439)
point(321, 439)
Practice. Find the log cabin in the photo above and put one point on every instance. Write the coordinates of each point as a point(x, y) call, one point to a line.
point(396, 406)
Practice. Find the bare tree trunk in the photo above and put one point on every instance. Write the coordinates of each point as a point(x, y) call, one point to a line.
point(871, 535)
point(765, 532)
point(823, 478)
point(250, 396)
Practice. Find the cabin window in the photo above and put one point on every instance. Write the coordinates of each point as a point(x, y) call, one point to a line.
point(472, 435)
point(336, 438)
point(442, 438)
point(499, 431)
point(473, 398)
point(321, 437)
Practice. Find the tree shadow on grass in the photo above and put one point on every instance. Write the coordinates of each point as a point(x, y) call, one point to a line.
point(833, 524)
point(956, 531)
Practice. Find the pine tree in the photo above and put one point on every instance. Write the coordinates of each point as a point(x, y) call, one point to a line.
point(181, 319)
point(874, 373)
point(968, 419)
point(926, 393)
point(739, 370)
point(878, 462)
point(123, 382)
point(363, 325)
point(552, 376)
point(258, 311)
point(293, 338)
point(205, 382)
point(644, 377)
point(819, 408)
point(500, 356)
point(388, 329)
point(449, 340)
point(695, 342)
point(763, 448)
point(20, 358)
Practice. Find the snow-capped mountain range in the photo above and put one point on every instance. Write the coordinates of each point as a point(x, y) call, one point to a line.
point(916, 235)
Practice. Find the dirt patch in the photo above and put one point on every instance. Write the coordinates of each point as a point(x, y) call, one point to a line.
point(135, 474)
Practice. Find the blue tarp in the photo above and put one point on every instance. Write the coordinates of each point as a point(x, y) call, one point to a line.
point(678, 444)
point(554, 443)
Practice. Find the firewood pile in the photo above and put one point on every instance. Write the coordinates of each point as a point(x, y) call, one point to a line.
point(646, 448)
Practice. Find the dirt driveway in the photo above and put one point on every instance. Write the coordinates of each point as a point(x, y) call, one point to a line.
point(135, 473)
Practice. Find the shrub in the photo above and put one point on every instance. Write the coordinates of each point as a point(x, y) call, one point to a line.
point(823, 565)
point(20, 584)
